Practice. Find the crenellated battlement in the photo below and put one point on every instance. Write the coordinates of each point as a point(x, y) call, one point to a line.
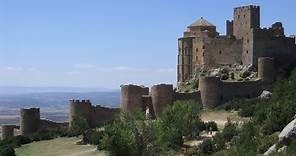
point(94, 115)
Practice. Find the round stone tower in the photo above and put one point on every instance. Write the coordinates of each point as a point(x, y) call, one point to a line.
point(162, 96)
point(80, 109)
point(29, 120)
point(7, 131)
point(266, 69)
point(131, 96)
point(210, 90)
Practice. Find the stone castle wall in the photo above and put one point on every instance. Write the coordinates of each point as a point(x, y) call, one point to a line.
point(266, 69)
point(246, 89)
point(29, 120)
point(102, 115)
point(81, 109)
point(281, 48)
point(244, 43)
point(210, 91)
point(7, 131)
point(162, 96)
point(217, 51)
point(185, 56)
point(195, 96)
point(48, 125)
point(131, 96)
point(94, 115)
point(215, 91)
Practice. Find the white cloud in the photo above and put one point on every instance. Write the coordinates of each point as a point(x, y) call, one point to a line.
point(10, 68)
point(122, 68)
point(73, 73)
point(86, 75)
point(84, 66)
point(166, 70)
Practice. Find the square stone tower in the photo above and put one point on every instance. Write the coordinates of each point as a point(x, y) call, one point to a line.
point(245, 20)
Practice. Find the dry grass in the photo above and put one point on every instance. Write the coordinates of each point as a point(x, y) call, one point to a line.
point(221, 116)
point(58, 147)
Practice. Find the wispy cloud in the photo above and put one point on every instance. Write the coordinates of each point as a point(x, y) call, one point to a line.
point(19, 69)
point(84, 66)
point(11, 68)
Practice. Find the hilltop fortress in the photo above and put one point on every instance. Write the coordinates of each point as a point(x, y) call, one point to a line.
point(262, 54)
point(201, 46)
point(266, 52)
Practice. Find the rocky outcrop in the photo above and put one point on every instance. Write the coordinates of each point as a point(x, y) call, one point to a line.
point(288, 133)
point(271, 151)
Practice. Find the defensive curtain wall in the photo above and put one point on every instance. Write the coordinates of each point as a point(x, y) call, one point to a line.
point(212, 91)
point(30, 121)
point(94, 115)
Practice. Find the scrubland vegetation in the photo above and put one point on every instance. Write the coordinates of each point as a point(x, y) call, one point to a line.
point(133, 134)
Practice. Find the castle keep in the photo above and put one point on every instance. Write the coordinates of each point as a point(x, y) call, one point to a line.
point(201, 46)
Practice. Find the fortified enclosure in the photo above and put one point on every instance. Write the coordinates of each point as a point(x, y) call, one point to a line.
point(201, 47)
point(214, 68)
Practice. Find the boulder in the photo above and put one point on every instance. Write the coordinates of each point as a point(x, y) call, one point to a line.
point(271, 151)
point(288, 133)
point(265, 95)
point(282, 149)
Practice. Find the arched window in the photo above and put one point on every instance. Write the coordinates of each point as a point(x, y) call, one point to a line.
point(220, 52)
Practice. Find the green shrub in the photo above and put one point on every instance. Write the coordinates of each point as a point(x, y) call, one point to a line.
point(245, 74)
point(20, 140)
point(130, 135)
point(266, 142)
point(92, 136)
point(118, 140)
point(43, 135)
point(211, 125)
point(219, 141)
point(78, 125)
point(7, 151)
point(180, 119)
point(224, 76)
point(229, 131)
point(205, 148)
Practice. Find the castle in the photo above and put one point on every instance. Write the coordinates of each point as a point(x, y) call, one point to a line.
point(268, 50)
point(201, 46)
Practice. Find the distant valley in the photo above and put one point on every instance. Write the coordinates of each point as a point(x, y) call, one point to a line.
point(53, 102)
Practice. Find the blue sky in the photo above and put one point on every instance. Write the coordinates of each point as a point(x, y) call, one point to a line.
point(97, 43)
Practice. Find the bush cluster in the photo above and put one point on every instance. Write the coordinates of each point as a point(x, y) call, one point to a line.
point(132, 134)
